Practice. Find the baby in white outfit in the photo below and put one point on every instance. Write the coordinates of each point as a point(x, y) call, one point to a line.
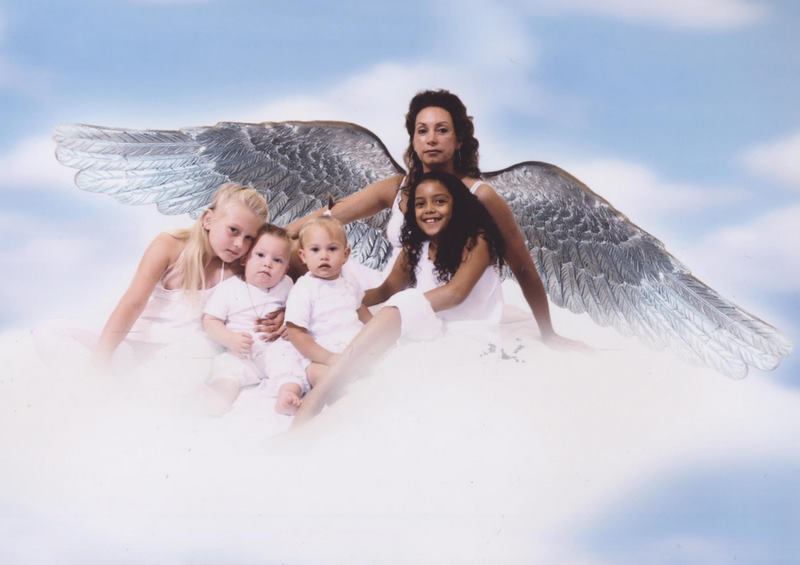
point(324, 310)
point(229, 318)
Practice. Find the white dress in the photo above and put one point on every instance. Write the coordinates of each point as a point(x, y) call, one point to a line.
point(239, 305)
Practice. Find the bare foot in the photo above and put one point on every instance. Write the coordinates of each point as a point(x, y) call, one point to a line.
point(288, 403)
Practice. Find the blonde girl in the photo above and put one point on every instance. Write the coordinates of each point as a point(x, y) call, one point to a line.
point(177, 272)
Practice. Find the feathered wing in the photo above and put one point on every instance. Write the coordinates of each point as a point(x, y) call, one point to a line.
point(297, 166)
point(593, 259)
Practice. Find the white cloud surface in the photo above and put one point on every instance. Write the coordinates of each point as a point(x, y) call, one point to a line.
point(762, 254)
point(681, 14)
point(31, 164)
point(644, 197)
point(778, 160)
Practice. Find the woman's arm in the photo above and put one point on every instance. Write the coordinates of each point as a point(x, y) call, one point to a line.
point(157, 258)
point(519, 259)
point(362, 204)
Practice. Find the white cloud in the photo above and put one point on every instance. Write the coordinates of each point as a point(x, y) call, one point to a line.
point(778, 160)
point(378, 97)
point(645, 198)
point(32, 164)
point(177, 2)
point(762, 254)
point(682, 14)
point(89, 264)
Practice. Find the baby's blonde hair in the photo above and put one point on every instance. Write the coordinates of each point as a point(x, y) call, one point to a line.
point(334, 227)
point(190, 268)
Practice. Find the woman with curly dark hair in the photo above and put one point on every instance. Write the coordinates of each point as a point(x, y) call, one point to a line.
point(441, 138)
point(447, 271)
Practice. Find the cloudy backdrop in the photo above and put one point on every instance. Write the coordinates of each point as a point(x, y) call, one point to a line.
point(682, 113)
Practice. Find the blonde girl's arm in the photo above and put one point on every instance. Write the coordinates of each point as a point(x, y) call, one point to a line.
point(159, 255)
point(362, 204)
point(456, 290)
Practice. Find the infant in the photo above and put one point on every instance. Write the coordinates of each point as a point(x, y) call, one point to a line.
point(324, 310)
point(230, 315)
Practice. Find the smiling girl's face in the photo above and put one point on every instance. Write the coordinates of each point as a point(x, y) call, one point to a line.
point(433, 208)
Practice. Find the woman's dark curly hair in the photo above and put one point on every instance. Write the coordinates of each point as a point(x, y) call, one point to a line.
point(469, 221)
point(466, 158)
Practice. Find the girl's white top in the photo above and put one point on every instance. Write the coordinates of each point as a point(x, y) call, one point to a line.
point(169, 314)
point(484, 303)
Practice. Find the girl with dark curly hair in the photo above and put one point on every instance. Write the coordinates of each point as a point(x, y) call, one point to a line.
point(442, 138)
point(447, 270)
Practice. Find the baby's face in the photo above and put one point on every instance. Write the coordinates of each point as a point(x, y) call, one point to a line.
point(323, 253)
point(267, 262)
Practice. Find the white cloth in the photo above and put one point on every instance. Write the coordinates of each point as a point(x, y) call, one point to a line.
point(171, 314)
point(240, 304)
point(483, 305)
point(327, 309)
point(278, 362)
point(484, 302)
point(168, 315)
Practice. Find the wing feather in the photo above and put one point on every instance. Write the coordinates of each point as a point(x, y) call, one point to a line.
point(593, 259)
point(298, 166)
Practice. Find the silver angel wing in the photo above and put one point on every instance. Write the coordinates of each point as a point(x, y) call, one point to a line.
point(593, 259)
point(297, 166)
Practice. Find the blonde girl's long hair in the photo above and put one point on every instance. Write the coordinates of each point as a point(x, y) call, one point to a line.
point(190, 268)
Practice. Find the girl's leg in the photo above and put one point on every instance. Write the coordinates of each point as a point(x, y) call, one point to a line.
point(316, 373)
point(220, 394)
point(377, 336)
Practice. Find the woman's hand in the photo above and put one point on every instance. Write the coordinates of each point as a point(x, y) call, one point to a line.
point(565, 344)
point(270, 327)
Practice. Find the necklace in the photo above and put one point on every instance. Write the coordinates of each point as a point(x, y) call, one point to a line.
point(259, 315)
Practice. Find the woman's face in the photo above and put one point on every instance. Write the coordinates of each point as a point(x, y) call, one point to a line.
point(434, 140)
point(433, 208)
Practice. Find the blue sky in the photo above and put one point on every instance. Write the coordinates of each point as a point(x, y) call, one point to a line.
point(683, 114)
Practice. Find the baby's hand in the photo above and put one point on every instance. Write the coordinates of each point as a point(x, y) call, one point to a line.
point(241, 344)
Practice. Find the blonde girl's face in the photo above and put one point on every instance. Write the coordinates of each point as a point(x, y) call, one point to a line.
point(323, 253)
point(435, 141)
point(267, 262)
point(231, 230)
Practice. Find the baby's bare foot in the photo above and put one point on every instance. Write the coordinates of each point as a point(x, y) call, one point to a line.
point(288, 404)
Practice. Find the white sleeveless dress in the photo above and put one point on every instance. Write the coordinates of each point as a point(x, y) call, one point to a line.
point(483, 306)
